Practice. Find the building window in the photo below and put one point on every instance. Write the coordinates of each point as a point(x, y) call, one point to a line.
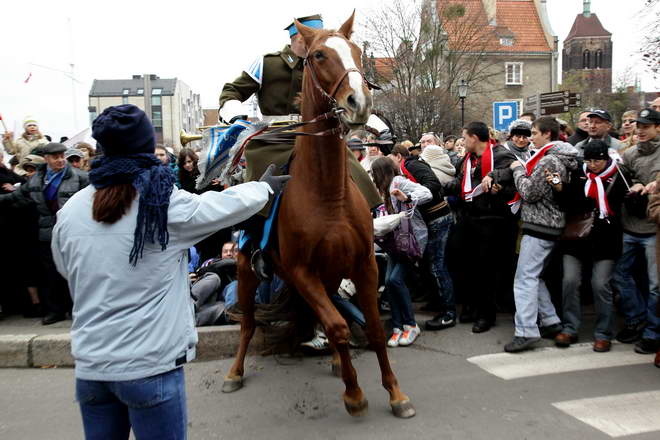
point(586, 59)
point(513, 73)
point(124, 99)
point(125, 92)
point(156, 91)
point(140, 92)
point(155, 100)
point(157, 118)
point(598, 59)
point(506, 41)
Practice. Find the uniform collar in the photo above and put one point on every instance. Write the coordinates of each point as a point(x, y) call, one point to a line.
point(290, 58)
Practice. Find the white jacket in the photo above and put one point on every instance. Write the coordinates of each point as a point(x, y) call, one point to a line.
point(135, 322)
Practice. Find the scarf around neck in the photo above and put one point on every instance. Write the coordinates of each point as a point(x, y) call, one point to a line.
point(595, 189)
point(487, 165)
point(514, 204)
point(154, 183)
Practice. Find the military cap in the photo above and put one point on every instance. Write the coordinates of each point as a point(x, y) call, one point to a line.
point(313, 21)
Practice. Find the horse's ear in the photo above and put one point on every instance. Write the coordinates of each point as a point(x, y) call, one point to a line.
point(346, 29)
point(307, 32)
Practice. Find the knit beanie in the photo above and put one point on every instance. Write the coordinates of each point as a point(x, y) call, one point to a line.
point(29, 120)
point(124, 130)
point(596, 149)
point(520, 127)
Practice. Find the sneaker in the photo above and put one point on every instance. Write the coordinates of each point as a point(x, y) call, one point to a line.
point(647, 346)
point(520, 343)
point(441, 322)
point(550, 331)
point(631, 333)
point(409, 334)
point(318, 343)
point(395, 338)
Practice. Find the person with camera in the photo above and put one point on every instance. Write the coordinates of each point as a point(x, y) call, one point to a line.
point(643, 163)
point(592, 199)
point(133, 321)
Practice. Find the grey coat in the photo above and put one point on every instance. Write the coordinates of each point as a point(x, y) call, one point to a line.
point(609, 140)
point(33, 191)
point(643, 163)
point(540, 211)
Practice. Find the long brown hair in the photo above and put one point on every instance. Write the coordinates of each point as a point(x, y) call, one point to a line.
point(112, 202)
point(383, 171)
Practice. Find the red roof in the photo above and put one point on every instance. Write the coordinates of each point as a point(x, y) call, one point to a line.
point(514, 18)
point(587, 27)
point(384, 67)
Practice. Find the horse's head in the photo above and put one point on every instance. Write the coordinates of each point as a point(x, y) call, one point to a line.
point(335, 66)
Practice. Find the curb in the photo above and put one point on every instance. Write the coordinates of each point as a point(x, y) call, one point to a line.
point(34, 351)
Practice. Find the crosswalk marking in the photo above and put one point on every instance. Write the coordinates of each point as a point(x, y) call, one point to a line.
point(551, 360)
point(617, 415)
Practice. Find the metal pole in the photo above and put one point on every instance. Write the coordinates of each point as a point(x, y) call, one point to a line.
point(462, 112)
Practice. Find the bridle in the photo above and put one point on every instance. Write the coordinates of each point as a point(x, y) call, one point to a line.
point(284, 133)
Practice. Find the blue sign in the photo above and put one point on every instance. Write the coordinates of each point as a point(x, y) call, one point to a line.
point(504, 113)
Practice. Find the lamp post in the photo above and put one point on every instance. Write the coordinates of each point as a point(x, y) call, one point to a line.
point(462, 93)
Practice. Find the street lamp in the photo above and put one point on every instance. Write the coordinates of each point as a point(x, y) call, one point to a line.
point(462, 93)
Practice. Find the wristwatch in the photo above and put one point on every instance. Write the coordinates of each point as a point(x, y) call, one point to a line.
point(556, 180)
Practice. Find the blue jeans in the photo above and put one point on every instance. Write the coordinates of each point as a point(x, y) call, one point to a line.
point(155, 407)
point(348, 310)
point(635, 307)
point(437, 244)
point(397, 292)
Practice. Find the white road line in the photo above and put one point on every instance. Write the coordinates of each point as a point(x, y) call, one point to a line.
point(617, 415)
point(551, 360)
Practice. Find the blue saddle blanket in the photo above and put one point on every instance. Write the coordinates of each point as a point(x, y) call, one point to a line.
point(268, 229)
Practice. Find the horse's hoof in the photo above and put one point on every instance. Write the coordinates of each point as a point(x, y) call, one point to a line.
point(336, 369)
point(358, 409)
point(232, 384)
point(403, 409)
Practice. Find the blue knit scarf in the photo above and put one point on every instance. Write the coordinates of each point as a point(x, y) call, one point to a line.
point(154, 183)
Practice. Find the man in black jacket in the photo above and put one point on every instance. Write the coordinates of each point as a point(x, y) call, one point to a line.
point(484, 184)
point(439, 220)
point(580, 129)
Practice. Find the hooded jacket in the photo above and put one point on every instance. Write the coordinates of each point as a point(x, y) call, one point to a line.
point(642, 162)
point(440, 163)
point(540, 212)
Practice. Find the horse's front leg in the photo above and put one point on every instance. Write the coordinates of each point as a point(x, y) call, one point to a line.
point(366, 285)
point(247, 288)
point(313, 291)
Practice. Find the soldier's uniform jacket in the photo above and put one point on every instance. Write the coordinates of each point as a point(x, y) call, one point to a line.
point(276, 78)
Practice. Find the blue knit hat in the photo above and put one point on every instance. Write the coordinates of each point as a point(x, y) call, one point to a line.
point(123, 130)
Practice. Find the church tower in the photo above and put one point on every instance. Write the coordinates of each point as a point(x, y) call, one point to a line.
point(588, 51)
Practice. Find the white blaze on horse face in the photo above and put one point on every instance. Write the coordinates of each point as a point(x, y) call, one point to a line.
point(354, 78)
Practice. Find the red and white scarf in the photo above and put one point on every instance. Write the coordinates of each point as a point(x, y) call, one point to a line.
point(487, 165)
point(595, 189)
point(514, 204)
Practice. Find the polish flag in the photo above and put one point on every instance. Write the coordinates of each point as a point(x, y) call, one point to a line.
point(28, 78)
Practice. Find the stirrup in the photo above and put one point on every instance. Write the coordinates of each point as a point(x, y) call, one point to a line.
point(259, 266)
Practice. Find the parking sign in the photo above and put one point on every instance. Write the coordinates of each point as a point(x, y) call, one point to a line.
point(504, 113)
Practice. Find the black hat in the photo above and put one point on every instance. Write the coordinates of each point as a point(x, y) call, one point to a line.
point(602, 114)
point(596, 149)
point(124, 129)
point(355, 144)
point(53, 148)
point(521, 127)
point(417, 146)
point(648, 116)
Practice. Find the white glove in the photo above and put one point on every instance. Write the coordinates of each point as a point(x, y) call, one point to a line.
point(230, 110)
point(377, 124)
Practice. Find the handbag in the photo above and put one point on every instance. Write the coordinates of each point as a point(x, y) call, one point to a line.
point(578, 226)
point(409, 238)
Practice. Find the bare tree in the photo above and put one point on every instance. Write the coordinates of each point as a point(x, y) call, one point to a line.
point(423, 49)
point(650, 48)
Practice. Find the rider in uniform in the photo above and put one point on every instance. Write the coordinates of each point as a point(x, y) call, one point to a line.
point(276, 79)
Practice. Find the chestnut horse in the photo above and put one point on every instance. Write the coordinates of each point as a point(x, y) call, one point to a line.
point(327, 232)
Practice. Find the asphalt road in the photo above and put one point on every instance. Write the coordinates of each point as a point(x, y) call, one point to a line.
point(461, 384)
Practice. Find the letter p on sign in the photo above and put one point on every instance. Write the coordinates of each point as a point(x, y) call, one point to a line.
point(504, 113)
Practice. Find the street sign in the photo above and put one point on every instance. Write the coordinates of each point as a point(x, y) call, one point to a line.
point(575, 100)
point(504, 113)
point(532, 104)
point(554, 102)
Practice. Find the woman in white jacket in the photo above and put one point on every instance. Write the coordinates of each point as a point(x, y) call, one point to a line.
point(395, 188)
point(122, 244)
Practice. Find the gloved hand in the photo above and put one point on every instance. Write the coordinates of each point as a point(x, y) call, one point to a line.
point(276, 183)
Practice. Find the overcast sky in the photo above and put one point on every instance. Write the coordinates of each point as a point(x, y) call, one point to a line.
point(202, 43)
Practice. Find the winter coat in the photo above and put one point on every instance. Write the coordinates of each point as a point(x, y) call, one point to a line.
point(540, 213)
point(486, 205)
point(33, 191)
point(522, 154)
point(578, 136)
point(605, 241)
point(643, 163)
point(418, 193)
point(609, 140)
point(422, 173)
point(21, 147)
point(454, 158)
point(132, 322)
point(440, 163)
